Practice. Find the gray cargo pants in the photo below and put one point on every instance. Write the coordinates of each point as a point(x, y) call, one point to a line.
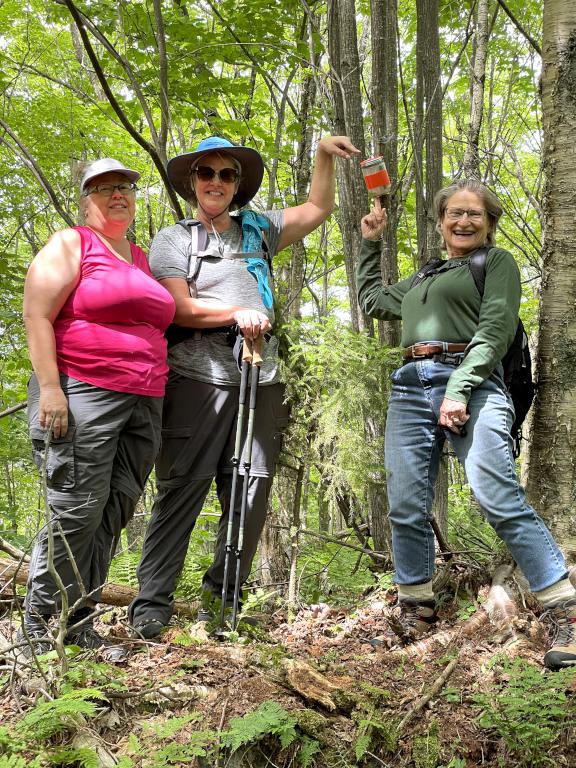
point(95, 475)
point(198, 432)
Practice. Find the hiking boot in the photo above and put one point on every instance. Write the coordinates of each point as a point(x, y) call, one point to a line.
point(562, 618)
point(409, 620)
point(86, 637)
point(147, 629)
point(36, 636)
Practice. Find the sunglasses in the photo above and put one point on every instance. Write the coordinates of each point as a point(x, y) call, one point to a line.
point(226, 175)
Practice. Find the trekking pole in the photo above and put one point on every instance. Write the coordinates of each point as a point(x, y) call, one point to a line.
point(253, 351)
point(235, 471)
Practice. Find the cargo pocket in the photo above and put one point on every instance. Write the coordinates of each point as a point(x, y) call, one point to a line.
point(177, 454)
point(60, 472)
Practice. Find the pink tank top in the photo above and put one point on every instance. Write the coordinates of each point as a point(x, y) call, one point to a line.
point(110, 331)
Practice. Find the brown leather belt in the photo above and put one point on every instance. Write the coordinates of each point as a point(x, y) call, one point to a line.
point(418, 351)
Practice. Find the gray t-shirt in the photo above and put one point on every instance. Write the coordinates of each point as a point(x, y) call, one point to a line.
point(220, 281)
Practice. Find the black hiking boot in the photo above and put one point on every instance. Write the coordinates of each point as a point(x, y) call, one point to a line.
point(147, 629)
point(36, 636)
point(87, 638)
point(562, 618)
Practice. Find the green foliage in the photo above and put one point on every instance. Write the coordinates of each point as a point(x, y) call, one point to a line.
point(165, 729)
point(85, 672)
point(269, 719)
point(308, 749)
point(426, 748)
point(84, 757)
point(197, 744)
point(13, 761)
point(59, 715)
point(528, 710)
point(374, 724)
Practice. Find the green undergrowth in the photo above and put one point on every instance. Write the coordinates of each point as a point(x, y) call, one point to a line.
point(528, 711)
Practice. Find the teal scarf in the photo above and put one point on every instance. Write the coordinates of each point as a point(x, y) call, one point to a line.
point(252, 226)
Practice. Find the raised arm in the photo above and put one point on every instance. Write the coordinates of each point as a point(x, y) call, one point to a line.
point(51, 278)
point(303, 219)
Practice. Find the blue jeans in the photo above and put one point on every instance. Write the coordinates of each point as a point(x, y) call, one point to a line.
point(413, 446)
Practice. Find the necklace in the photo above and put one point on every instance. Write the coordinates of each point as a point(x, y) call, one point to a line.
point(219, 240)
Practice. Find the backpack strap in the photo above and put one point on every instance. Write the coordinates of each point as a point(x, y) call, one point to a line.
point(198, 242)
point(477, 265)
point(430, 268)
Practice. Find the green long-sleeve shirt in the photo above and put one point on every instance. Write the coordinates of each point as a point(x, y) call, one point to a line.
point(447, 307)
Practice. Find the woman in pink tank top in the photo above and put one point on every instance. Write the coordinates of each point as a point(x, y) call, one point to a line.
point(95, 319)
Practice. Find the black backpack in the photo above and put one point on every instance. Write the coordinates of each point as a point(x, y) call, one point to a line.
point(517, 362)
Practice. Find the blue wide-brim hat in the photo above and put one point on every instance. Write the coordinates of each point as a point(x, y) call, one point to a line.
point(250, 160)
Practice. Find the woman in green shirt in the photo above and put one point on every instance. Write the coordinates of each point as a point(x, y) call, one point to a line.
point(451, 387)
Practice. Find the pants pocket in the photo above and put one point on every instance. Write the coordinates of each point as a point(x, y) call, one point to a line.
point(177, 454)
point(60, 472)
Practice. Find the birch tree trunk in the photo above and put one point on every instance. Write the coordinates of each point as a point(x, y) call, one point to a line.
point(552, 459)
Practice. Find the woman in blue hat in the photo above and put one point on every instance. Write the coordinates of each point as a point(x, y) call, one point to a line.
point(217, 269)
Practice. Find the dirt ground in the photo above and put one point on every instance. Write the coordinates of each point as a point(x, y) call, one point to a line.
point(387, 706)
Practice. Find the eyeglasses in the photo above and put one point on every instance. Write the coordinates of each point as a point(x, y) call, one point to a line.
point(107, 190)
point(458, 213)
point(226, 175)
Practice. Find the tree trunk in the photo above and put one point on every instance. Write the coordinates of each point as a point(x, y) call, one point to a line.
point(384, 19)
point(428, 127)
point(471, 156)
point(552, 459)
point(345, 67)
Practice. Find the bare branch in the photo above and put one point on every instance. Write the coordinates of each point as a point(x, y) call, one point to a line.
point(138, 138)
point(26, 157)
point(519, 27)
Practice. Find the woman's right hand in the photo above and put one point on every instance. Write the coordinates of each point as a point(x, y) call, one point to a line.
point(251, 322)
point(53, 410)
point(374, 223)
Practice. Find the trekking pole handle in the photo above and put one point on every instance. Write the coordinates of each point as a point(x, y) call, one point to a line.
point(257, 351)
point(252, 350)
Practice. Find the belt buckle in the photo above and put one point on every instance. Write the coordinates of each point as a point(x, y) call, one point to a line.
point(452, 358)
point(415, 355)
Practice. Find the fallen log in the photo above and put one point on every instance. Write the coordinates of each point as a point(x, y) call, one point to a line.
point(112, 594)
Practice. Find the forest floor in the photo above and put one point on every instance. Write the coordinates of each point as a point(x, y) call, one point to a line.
point(312, 692)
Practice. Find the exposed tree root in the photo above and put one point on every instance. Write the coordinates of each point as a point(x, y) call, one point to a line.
point(498, 609)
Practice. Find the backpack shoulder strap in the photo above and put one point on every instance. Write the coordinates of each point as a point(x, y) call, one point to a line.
point(198, 243)
point(430, 268)
point(477, 266)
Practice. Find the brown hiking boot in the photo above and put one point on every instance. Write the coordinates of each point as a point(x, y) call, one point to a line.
point(409, 620)
point(562, 618)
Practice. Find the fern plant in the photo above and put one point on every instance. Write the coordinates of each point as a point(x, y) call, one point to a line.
point(528, 710)
point(49, 718)
point(269, 719)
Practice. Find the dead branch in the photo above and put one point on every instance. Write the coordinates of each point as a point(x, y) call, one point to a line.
point(13, 409)
point(112, 594)
point(436, 686)
point(336, 540)
point(13, 551)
